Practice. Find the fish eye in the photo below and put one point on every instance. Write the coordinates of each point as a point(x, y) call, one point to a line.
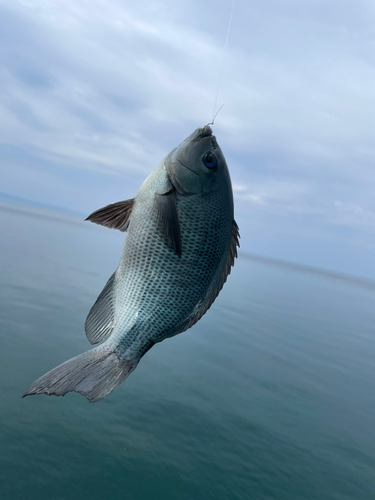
point(209, 160)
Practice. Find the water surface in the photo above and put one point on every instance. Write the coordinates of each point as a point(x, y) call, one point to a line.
point(270, 396)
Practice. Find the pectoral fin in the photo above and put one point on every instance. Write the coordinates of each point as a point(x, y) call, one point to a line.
point(115, 216)
point(167, 219)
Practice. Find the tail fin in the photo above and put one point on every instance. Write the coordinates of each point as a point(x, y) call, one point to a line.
point(94, 374)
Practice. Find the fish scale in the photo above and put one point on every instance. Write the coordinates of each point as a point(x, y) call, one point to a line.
point(180, 246)
point(151, 292)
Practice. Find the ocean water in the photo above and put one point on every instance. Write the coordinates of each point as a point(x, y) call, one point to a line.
point(271, 396)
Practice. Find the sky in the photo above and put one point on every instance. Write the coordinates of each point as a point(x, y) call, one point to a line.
point(93, 94)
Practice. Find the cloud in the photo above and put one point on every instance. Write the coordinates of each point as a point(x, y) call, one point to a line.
point(92, 92)
point(273, 191)
point(351, 214)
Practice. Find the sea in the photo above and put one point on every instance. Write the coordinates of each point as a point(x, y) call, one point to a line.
point(271, 396)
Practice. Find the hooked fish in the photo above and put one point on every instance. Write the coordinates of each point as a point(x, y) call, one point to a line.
point(180, 246)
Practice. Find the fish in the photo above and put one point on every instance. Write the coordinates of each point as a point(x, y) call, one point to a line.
point(180, 246)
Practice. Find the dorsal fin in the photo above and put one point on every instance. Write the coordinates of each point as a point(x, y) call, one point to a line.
point(115, 215)
point(101, 319)
point(167, 218)
point(203, 306)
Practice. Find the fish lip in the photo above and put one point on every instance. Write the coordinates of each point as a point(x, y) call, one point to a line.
point(206, 131)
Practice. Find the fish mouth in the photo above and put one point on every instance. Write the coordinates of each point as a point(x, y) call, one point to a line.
point(206, 131)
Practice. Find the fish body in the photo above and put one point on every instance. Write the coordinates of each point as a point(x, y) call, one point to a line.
point(180, 245)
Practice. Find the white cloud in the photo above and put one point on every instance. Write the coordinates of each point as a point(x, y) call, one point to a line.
point(239, 187)
point(351, 214)
point(109, 87)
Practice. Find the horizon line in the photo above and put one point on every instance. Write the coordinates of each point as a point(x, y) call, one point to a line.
point(294, 266)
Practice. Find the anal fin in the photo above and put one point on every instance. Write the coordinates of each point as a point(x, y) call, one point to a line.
point(101, 318)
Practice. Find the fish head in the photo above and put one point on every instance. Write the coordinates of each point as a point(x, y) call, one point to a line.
point(197, 165)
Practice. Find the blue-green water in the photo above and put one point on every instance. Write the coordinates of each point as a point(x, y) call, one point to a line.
point(270, 396)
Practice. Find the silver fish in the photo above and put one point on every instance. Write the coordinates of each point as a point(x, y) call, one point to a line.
point(181, 243)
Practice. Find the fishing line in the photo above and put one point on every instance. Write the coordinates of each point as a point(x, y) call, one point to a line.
point(222, 64)
point(214, 118)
